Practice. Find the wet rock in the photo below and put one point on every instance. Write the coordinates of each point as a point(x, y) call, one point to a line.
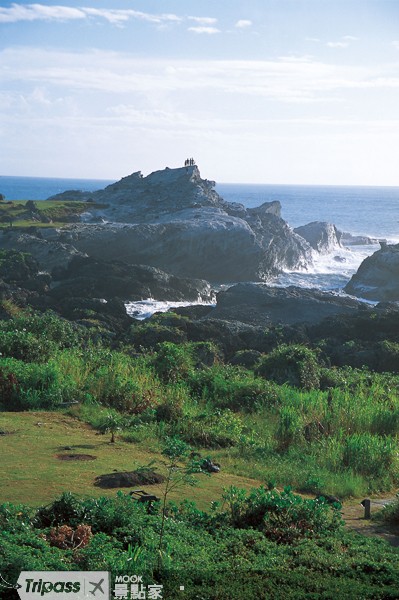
point(378, 276)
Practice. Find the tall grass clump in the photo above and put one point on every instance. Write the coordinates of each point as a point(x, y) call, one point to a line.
point(371, 455)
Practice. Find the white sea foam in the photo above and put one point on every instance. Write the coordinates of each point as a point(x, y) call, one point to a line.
point(329, 271)
point(143, 309)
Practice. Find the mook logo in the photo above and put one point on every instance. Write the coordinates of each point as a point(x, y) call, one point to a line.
point(63, 585)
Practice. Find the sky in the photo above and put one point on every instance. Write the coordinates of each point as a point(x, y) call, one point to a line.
point(256, 91)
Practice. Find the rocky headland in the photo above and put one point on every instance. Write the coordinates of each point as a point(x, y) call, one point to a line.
point(174, 220)
point(165, 236)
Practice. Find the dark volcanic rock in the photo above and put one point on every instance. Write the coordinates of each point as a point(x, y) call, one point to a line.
point(259, 304)
point(93, 278)
point(174, 220)
point(378, 276)
point(323, 237)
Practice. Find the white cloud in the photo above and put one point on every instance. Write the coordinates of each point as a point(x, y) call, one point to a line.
point(203, 20)
point(243, 23)
point(78, 108)
point(350, 38)
point(285, 79)
point(311, 39)
point(203, 29)
point(337, 44)
point(35, 12)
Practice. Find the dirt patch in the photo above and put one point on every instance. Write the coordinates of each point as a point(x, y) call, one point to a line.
point(353, 515)
point(75, 457)
point(128, 479)
point(3, 432)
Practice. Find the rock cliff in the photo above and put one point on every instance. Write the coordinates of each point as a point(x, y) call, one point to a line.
point(174, 220)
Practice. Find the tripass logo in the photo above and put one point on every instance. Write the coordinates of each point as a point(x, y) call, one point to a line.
point(64, 585)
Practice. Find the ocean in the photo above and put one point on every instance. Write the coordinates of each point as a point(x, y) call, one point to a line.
point(370, 211)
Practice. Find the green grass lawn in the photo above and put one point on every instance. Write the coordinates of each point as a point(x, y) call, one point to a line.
point(31, 473)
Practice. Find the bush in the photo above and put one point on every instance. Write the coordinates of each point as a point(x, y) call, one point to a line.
point(23, 345)
point(235, 388)
point(282, 516)
point(33, 386)
point(35, 338)
point(296, 365)
point(149, 335)
point(173, 363)
point(219, 430)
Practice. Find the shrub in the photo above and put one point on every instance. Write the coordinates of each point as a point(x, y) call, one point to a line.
point(172, 362)
point(23, 345)
point(35, 385)
point(68, 509)
point(388, 356)
point(235, 388)
point(149, 335)
point(219, 430)
point(295, 365)
point(282, 516)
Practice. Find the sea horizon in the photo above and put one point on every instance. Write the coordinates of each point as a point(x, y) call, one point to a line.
point(246, 183)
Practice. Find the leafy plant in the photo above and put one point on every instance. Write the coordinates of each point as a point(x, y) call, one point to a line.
point(293, 364)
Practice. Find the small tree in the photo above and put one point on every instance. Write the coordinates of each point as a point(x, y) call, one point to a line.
point(180, 471)
point(2, 197)
point(111, 423)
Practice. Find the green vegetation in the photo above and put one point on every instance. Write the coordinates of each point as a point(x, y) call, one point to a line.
point(290, 420)
point(265, 544)
point(41, 213)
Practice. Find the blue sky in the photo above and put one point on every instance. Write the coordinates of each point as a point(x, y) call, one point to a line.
point(257, 91)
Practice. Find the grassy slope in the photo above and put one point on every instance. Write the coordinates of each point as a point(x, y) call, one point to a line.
point(30, 472)
point(57, 211)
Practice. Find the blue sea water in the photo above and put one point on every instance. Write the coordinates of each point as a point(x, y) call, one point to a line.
point(41, 188)
point(370, 211)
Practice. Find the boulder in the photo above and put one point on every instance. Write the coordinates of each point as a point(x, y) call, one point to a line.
point(263, 305)
point(174, 220)
point(323, 237)
point(378, 276)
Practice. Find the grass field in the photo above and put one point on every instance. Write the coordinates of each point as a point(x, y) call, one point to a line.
point(31, 473)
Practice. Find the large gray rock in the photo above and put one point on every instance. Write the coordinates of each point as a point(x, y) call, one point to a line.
point(175, 220)
point(323, 237)
point(260, 304)
point(378, 276)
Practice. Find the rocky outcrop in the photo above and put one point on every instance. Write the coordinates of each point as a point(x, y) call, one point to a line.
point(48, 253)
point(174, 220)
point(378, 276)
point(93, 278)
point(323, 237)
point(348, 239)
point(260, 304)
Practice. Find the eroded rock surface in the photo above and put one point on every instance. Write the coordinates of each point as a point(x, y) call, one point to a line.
point(378, 276)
